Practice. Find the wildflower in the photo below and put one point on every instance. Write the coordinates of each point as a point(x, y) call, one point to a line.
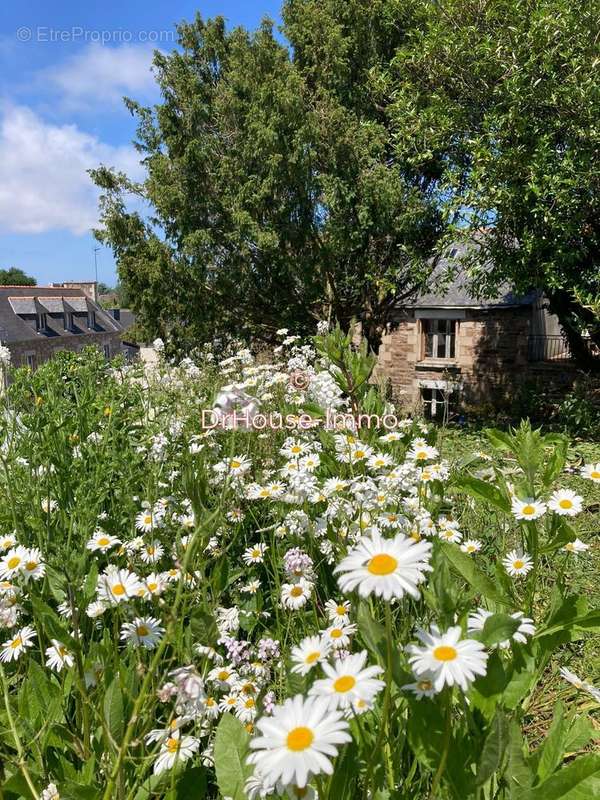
point(255, 554)
point(579, 684)
point(297, 741)
point(12, 563)
point(48, 505)
point(296, 595)
point(50, 792)
point(143, 631)
point(565, 503)
point(446, 659)
point(174, 749)
point(245, 709)
point(338, 612)
point(311, 651)
point(576, 546)
point(422, 452)
point(225, 676)
point(33, 566)
point(118, 585)
point(151, 553)
point(339, 635)
point(348, 680)
point(8, 541)
point(591, 472)
point(102, 541)
point(12, 649)
point(251, 587)
point(517, 564)
point(471, 546)
point(421, 688)
point(57, 656)
point(527, 509)
point(385, 567)
point(145, 520)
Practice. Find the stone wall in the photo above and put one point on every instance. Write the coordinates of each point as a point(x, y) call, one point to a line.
point(491, 358)
point(44, 348)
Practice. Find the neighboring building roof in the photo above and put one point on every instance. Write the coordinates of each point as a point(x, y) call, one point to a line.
point(455, 293)
point(20, 304)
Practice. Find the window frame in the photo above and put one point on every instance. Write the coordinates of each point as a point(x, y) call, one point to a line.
point(430, 328)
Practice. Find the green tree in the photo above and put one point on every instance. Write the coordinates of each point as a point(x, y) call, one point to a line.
point(276, 192)
point(508, 95)
point(16, 277)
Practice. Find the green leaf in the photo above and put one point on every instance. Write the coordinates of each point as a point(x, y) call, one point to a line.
point(557, 460)
point(500, 440)
point(550, 753)
point(344, 780)
point(518, 774)
point(579, 780)
point(372, 633)
point(498, 628)
point(494, 748)
point(482, 490)
point(52, 624)
point(465, 566)
point(113, 710)
point(231, 747)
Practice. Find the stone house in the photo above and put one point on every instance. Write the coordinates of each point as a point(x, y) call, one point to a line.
point(449, 350)
point(36, 322)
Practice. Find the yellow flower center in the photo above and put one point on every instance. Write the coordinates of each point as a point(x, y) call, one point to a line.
point(344, 684)
point(312, 657)
point(341, 610)
point(13, 562)
point(103, 541)
point(595, 474)
point(296, 591)
point(359, 454)
point(566, 503)
point(223, 675)
point(424, 686)
point(528, 510)
point(249, 703)
point(382, 564)
point(210, 702)
point(256, 553)
point(299, 739)
point(235, 464)
point(172, 745)
point(445, 653)
point(152, 587)
point(118, 589)
point(30, 566)
point(420, 455)
point(147, 519)
point(142, 630)
point(296, 449)
point(336, 633)
point(16, 643)
point(518, 564)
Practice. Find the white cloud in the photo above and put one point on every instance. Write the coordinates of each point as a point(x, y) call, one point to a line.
point(44, 184)
point(99, 74)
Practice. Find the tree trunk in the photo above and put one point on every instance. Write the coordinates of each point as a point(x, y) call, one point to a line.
point(571, 315)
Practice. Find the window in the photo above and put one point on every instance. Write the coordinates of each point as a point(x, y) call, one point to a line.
point(91, 320)
point(68, 321)
point(30, 360)
point(41, 322)
point(440, 338)
point(436, 403)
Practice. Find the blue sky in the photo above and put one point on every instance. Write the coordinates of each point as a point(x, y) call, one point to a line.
point(64, 67)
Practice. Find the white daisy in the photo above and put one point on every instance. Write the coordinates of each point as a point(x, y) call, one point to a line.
point(14, 647)
point(152, 552)
point(57, 656)
point(348, 680)
point(338, 612)
point(517, 564)
point(565, 503)
point(526, 629)
point(7, 541)
point(143, 632)
point(12, 563)
point(338, 636)
point(471, 546)
point(385, 567)
point(576, 546)
point(311, 651)
point(296, 595)
point(33, 566)
point(102, 541)
point(255, 554)
point(421, 688)
point(446, 659)
point(175, 749)
point(591, 472)
point(118, 585)
point(298, 740)
point(527, 509)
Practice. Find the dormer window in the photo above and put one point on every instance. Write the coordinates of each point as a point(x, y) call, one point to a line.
point(41, 321)
point(68, 321)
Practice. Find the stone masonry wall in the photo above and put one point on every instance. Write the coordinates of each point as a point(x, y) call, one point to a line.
point(491, 358)
point(44, 348)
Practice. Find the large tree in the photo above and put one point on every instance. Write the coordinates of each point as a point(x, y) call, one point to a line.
point(14, 276)
point(276, 191)
point(508, 94)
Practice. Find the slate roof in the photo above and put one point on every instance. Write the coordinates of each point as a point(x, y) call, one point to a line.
point(19, 305)
point(455, 293)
